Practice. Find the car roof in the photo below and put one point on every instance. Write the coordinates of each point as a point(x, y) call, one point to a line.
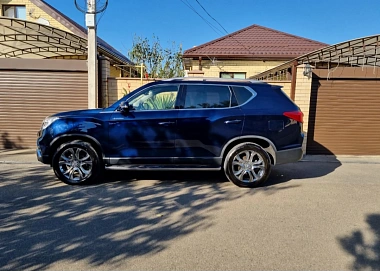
point(213, 79)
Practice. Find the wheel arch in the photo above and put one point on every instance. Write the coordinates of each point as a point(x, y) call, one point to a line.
point(71, 137)
point(263, 142)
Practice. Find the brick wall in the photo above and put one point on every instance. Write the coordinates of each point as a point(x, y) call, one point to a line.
point(302, 98)
point(285, 85)
point(37, 13)
point(115, 72)
point(250, 67)
point(119, 86)
point(104, 75)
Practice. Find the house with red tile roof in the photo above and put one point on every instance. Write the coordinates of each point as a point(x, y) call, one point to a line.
point(246, 52)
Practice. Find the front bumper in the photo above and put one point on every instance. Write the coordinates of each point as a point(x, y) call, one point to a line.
point(42, 151)
point(42, 158)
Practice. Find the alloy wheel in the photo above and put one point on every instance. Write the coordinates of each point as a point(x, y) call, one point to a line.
point(75, 164)
point(248, 166)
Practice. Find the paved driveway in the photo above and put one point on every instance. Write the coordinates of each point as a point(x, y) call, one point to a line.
point(311, 215)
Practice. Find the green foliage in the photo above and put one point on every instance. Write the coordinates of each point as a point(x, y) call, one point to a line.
point(159, 62)
point(160, 102)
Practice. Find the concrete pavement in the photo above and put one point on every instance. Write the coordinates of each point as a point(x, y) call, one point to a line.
point(18, 156)
point(320, 214)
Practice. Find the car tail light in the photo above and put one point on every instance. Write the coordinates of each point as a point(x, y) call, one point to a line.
point(294, 115)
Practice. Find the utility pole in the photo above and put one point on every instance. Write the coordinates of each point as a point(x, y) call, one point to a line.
point(92, 54)
point(92, 47)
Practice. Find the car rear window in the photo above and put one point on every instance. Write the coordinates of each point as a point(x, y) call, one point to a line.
point(242, 94)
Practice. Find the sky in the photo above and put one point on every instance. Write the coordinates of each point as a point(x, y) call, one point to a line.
point(328, 21)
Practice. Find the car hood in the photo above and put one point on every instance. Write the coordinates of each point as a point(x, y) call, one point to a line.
point(77, 113)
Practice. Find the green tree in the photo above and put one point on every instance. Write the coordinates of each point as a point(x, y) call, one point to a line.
point(159, 62)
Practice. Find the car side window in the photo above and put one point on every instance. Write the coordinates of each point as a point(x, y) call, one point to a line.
point(207, 96)
point(242, 94)
point(161, 97)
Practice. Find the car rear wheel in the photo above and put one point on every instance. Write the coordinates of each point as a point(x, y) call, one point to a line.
point(76, 163)
point(247, 165)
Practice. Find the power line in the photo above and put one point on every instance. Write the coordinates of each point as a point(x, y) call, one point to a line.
point(101, 16)
point(216, 30)
point(248, 49)
point(212, 17)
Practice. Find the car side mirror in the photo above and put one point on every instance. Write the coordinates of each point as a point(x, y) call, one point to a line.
point(125, 107)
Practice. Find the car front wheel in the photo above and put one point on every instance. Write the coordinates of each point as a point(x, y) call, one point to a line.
point(247, 165)
point(77, 162)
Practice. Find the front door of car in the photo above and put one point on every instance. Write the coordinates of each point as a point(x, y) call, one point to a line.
point(146, 133)
point(208, 119)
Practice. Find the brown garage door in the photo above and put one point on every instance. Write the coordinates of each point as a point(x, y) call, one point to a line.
point(37, 90)
point(344, 117)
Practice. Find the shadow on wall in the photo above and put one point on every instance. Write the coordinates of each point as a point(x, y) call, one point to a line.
point(8, 143)
point(366, 251)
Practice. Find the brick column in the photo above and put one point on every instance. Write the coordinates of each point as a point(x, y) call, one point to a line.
point(302, 98)
point(104, 73)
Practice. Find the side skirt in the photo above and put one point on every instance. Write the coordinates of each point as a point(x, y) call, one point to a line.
point(163, 167)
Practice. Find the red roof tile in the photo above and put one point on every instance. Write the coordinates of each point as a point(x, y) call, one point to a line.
point(256, 41)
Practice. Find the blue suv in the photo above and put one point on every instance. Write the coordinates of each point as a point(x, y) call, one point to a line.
point(242, 127)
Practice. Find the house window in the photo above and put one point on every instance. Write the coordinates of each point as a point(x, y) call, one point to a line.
point(239, 75)
point(14, 11)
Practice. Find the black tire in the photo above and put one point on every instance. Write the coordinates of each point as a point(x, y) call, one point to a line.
point(251, 171)
point(77, 162)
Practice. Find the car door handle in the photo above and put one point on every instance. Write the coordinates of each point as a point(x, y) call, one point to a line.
point(166, 123)
point(232, 121)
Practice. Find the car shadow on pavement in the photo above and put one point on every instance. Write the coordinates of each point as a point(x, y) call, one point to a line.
point(366, 253)
point(279, 174)
point(302, 170)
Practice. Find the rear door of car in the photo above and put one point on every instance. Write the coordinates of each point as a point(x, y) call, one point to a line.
point(207, 119)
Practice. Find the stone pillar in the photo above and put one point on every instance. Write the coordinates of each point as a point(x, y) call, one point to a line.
point(105, 73)
point(302, 98)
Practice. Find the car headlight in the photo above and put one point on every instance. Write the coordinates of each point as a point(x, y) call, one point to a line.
point(47, 121)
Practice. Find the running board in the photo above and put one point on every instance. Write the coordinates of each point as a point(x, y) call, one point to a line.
point(162, 167)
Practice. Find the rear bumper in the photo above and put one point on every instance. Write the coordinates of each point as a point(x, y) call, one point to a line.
point(289, 156)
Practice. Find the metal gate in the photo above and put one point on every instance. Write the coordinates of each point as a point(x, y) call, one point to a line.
point(31, 90)
point(344, 116)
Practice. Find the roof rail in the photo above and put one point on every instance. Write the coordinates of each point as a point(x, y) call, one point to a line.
point(214, 79)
